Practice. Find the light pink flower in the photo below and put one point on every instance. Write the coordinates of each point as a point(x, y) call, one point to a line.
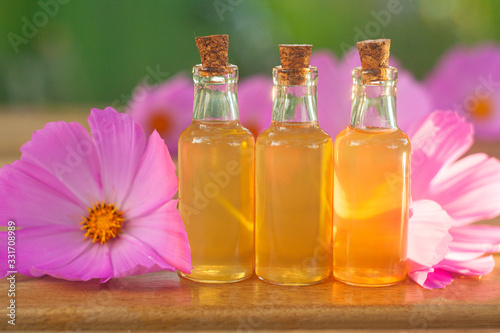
point(255, 102)
point(335, 87)
point(332, 87)
point(166, 108)
point(334, 91)
point(468, 81)
point(93, 206)
point(448, 195)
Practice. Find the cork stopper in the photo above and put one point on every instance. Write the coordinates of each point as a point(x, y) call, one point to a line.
point(213, 53)
point(294, 63)
point(374, 55)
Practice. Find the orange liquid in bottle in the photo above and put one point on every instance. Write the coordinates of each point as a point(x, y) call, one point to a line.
point(216, 192)
point(294, 204)
point(371, 198)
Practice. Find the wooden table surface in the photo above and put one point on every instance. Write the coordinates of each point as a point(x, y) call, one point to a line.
point(163, 301)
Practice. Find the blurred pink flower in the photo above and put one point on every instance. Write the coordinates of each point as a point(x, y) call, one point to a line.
point(335, 87)
point(448, 195)
point(166, 108)
point(93, 206)
point(332, 87)
point(334, 91)
point(468, 81)
point(255, 102)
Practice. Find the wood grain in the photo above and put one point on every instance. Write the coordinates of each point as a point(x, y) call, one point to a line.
point(162, 301)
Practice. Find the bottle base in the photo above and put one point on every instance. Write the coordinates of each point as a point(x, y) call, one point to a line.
point(292, 277)
point(217, 278)
point(369, 278)
point(292, 284)
point(372, 285)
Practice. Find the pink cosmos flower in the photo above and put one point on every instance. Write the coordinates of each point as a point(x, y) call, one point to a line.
point(448, 195)
point(255, 100)
point(331, 87)
point(335, 90)
point(468, 81)
point(166, 108)
point(93, 206)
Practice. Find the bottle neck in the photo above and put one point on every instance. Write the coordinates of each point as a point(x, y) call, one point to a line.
point(374, 102)
point(297, 102)
point(215, 97)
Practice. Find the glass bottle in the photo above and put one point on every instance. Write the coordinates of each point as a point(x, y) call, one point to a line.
point(294, 187)
point(371, 186)
point(216, 182)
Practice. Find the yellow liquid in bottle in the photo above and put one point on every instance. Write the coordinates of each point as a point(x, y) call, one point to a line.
point(216, 192)
point(371, 198)
point(294, 204)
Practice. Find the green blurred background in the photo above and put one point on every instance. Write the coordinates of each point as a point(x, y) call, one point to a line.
point(95, 51)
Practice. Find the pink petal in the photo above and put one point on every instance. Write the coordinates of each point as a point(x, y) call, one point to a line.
point(432, 278)
point(468, 251)
point(350, 60)
point(67, 151)
point(489, 129)
point(32, 196)
point(155, 182)
point(428, 236)
point(165, 93)
point(441, 139)
point(473, 179)
point(93, 263)
point(130, 256)
point(63, 254)
point(473, 241)
point(120, 145)
point(172, 98)
point(475, 267)
point(478, 66)
point(409, 113)
point(256, 102)
point(328, 71)
point(164, 231)
point(50, 250)
point(476, 233)
point(334, 89)
point(325, 60)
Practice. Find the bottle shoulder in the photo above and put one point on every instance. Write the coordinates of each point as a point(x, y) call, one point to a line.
point(355, 137)
point(274, 136)
point(230, 132)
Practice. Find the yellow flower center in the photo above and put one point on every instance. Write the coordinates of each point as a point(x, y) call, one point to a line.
point(482, 110)
point(161, 122)
point(103, 222)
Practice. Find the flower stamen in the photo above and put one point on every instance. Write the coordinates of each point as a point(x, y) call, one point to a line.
point(482, 110)
point(103, 222)
point(161, 122)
